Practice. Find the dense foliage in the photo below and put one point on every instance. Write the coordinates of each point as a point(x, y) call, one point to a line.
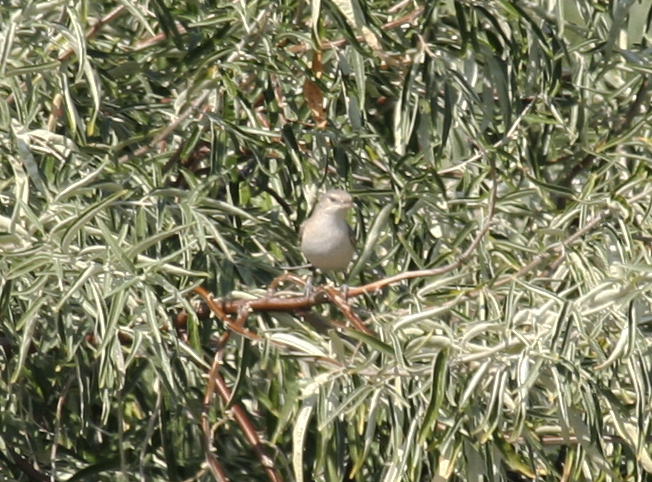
point(148, 148)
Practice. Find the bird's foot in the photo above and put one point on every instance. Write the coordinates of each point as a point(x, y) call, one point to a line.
point(345, 292)
point(309, 289)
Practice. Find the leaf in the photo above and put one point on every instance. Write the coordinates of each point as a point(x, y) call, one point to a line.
point(27, 324)
point(437, 391)
point(300, 429)
point(86, 216)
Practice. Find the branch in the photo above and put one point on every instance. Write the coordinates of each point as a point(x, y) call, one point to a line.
point(248, 429)
point(216, 381)
point(325, 295)
point(27, 468)
point(207, 444)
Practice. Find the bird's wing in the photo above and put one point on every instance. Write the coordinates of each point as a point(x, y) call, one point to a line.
point(302, 228)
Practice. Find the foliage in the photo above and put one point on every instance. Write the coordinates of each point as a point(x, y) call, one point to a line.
point(148, 148)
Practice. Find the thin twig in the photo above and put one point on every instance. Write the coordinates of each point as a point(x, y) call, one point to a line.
point(207, 443)
point(26, 466)
point(57, 427)
point(113, 14)
point(346, 309)
point(216, 381)
point(285, 277)
point(510, 135)
point(167, 130)
point(247, 427)
point(620, 127)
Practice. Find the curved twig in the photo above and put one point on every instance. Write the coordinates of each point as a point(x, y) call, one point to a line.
point(338, 300)
point(207, 444)
point(217, 383)
point(285, 277)
point(247, 428)
point(224, 318)
point(27, 468)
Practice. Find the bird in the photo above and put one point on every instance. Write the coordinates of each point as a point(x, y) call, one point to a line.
point(327, 240)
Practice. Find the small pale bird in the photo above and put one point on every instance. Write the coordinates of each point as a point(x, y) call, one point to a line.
point(326, 238)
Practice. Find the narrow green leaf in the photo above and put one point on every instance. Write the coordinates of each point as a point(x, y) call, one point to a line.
point(439, 371)
point(85, 217)
point(27, 324)
point(300, 430)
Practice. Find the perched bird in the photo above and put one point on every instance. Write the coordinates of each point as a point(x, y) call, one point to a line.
point(326, 238)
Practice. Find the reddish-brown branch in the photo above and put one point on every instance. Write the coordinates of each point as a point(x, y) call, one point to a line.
point(346, 309)
point(216, 381)
point(24, 465)
point(325, 295)
point(285, 277)
point(221, 314)
point(248, 429)
point(207, 438)
point(214, 376)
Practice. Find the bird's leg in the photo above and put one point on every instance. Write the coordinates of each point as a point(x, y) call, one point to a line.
point(345, 292)
point(309, 290)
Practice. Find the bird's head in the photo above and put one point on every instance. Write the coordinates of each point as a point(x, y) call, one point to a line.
point(335, 201)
